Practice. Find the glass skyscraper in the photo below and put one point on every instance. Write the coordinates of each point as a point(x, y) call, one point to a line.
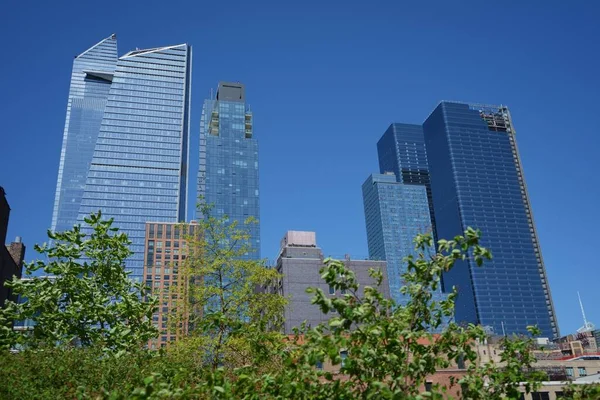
point(228, 171)
point(90, 83)
point(126, 152)
point(401, 150)
point(394, 214)
point(477, 180)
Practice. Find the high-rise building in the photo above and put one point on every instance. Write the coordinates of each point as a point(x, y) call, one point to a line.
point(477, 181)
point(401, 150)
point(299, 262)
point(394, 214)
point(228, 171)
point(165, 252)
point(125, 147)
point(91, 78)
point(11, 256)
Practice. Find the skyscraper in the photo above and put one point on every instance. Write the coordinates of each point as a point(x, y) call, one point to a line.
point(401, 150)
point(477, 180)
point(394, 214)
point(126, 151)
point(228, 171)
point(90, 83)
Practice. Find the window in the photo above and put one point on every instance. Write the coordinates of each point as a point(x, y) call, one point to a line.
point(540, 396)
point(331, 290)
point(428, 386)
point(582, 371)
point(569, 371)
point(319, 365)
point(343, 355)
point(151, 233)
point(159, 232)
point(460, 362)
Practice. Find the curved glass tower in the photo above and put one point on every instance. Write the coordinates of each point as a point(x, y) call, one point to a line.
point(90, 83)
point(134, 167)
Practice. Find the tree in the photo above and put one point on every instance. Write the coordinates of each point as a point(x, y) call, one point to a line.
point(372, 347)
point(225, 298)
point(582, 392)
point(85, 296)
point(387, 351)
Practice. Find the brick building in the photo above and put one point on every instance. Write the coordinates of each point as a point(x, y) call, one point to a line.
point(11, 256)
point(165, 250)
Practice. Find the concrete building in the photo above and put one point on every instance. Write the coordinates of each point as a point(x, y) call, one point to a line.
point(561, 369)
point(11, 256)
point(299, 261)
point(165, 250)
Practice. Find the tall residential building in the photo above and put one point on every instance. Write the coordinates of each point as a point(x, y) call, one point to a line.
point(299, 262)
point(11, 256)
point(125, 147)
point(165, 252)
point(394, 214)
point(477, 181)
point(401, 150)
point(228, 171)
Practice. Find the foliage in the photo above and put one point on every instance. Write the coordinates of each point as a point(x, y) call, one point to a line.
point(66, 372)
point(582, 392)
point(227, 302)
point(85, 296)
point(371, 348)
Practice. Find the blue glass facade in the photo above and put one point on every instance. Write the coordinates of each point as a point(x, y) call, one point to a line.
point(477, 181)
point(90, 84)
point(401, 150)
point(394, 214)
point(228, 172)
point(137, 169)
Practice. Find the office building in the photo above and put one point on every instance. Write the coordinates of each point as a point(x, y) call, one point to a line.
point(228, 171)
point(477, 181)
point(165, 252)
point(401, 150)
point(394, 214)
point(91, 80)
point(299, 262)
point(11, 256)
point(125, 146)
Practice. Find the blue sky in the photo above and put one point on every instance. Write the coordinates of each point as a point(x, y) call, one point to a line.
point(324, 80)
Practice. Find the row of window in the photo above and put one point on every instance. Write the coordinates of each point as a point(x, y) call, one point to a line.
point(141, 148)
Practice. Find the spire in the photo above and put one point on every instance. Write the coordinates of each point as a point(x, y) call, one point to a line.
point(587, 326)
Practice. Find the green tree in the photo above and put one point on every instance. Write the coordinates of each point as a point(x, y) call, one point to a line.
point(226, 296)
point(582, 392)
point(387, 351)
point(84, 297)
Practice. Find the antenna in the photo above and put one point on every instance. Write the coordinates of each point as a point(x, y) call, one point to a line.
point(587, 326)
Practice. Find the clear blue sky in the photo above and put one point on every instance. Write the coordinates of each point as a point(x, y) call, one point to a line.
point(324, 80)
